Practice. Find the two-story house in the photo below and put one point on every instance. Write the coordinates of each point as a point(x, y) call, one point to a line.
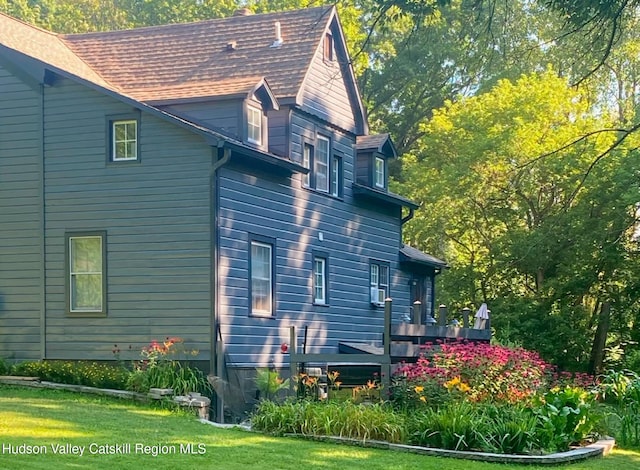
point(212, 180)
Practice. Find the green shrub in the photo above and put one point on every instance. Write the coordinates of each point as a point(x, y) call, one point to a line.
point(451, 427)
point(91, 374)
point(508, 429)
point(621, 389)
point(4, 367)
point(345, 419)
point(161, 367)
point(565, 416)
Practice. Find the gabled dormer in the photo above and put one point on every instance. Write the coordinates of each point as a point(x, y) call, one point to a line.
point(373, 153)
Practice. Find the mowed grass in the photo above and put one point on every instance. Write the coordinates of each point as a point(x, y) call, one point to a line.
point(48, 418)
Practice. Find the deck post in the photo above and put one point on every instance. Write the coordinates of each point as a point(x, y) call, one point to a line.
point(385, 367)
point(442, 315)
point(465, 317)
point(293, 365)
point(416, 313)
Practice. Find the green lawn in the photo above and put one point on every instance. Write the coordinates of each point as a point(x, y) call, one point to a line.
point(53, 418)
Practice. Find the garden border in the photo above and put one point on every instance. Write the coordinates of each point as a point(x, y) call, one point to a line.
point(600, 448)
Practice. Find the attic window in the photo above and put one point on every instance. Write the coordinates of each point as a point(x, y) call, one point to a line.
point(328, 47)
point(254, 125)
point(379, 173)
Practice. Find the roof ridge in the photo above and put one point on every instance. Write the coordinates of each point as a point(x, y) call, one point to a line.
point(190, 23)
point(32, 26)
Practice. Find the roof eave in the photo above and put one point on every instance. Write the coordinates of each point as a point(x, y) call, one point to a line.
point(388, 197)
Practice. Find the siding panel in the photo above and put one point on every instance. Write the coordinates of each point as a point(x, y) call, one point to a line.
point(20, 218)
point(156, 214)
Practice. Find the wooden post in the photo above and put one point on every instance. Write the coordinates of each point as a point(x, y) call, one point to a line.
point(465, 317)
point(385, 368)
point(416, 313)
point(293, 366)
point(220, 393)
point(442, 315)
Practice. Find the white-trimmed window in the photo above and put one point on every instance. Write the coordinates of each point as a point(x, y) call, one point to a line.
point(379, 173)
point(320, 292)
point(321, 164)
point(261, 262)
point(86, 282)
point(307, 157)
point(379, 282)
point(336, 176)
point(254, 125)
point(124, 140)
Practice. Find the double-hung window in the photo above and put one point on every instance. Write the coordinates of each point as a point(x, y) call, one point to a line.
point(86, 273)
point(124, 140)
point(379, 173)
point(321, 165)
point(262, 274)
point(379, 282)
point(320, 280)
point(307, 158)
point(336, 176)
point(254, 125)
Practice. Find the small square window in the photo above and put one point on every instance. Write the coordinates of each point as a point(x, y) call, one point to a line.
point(124, 140)
point(254, 125)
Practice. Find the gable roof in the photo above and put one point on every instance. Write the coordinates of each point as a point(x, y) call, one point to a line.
point(380, 143)
point(194, 56)
point(410, 254)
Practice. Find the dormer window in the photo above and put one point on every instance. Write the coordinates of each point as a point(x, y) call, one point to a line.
point(379, 173)
point(254, 125)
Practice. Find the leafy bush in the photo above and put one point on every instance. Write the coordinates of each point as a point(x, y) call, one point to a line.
point(621, 389)
point(565, 416)
point(160, 367)
point(344, 419)
point(474, 371)
point(450, 427)
point(508, 429)
point(4, 367)
point(269, 382)
point(91, 374)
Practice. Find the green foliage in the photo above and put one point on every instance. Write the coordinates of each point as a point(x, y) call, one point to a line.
point(269, 383)
point(91, 374)
point(345, 419)
point(452, 426)
point(164, 365)
point(622, 390)
point(4, 367)
point(566, 416)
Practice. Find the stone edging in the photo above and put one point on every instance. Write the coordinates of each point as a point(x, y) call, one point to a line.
point(35, 382)
point(597, 449)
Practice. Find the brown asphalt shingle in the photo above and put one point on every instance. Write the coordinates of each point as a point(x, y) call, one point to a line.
point(187, 58)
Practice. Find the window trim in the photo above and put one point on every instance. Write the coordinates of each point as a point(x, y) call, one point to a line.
point(316, 256)
point(327, 164)
point(383, 162)
point(111, 122)
point(337, 175)
point(68, 237)
point(375, 302)
point(252, 111)
point(271, 244)
point(307, 160)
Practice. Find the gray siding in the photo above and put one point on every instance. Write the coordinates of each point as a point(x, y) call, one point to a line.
point(325, 94)
point(157, 217)
point(279, 131)
point(20, 218)
point(222, 115)
point(353, 234)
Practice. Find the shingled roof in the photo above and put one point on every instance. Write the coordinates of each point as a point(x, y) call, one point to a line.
point(194, 56)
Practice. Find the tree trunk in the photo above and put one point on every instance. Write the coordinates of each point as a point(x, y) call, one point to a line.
point(600, 339)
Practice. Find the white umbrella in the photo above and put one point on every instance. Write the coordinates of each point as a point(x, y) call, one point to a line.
point(482, 315)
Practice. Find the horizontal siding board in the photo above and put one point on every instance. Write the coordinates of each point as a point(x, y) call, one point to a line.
point(156, 213)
